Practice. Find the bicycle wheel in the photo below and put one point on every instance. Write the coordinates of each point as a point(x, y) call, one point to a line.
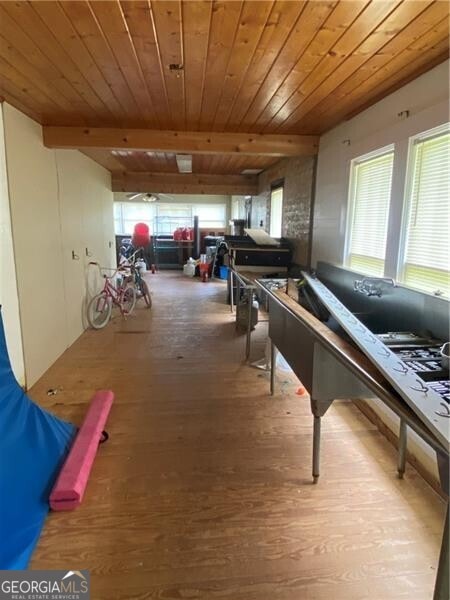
point(99, 310)
point(143, 287)
point(128, 300)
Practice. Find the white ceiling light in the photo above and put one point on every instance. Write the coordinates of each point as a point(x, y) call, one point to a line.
point(184, 163)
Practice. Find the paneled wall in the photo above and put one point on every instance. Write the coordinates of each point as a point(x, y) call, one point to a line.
point(298, 177)
point(61, 210)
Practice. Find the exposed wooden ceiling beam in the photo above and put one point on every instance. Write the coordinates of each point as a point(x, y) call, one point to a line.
point(176, 183)
point(191, 142)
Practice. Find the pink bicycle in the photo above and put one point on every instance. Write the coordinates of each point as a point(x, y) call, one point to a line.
point(122, 294)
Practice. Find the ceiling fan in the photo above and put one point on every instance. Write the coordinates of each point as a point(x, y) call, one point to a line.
point(147, 197)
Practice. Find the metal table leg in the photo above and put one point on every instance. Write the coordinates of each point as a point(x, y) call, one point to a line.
point(441, 588)
point(238, 299)
point(316, 449)
point(318, 409)
point(273, 367)
point(249, 322)
point(230, 271)
point(402, 442)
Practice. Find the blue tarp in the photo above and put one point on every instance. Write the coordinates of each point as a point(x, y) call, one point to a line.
point(33, 445)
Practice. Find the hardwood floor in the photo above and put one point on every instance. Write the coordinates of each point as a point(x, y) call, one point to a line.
point(204, 488)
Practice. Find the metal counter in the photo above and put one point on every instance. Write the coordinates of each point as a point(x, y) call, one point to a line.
point(329, 368)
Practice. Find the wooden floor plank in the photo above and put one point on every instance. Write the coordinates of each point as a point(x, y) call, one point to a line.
point(204, 487)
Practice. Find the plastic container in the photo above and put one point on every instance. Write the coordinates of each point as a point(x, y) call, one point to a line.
point(189, 268)
point(223, 272)
point(141, 265)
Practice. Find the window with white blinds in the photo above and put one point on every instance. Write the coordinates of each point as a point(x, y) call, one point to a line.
point(211, 215)
point(127, 214)
point(168, 216)
point(370, 196)
point(427, 215)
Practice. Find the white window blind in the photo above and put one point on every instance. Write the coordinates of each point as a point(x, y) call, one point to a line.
point(210, 215)
point(276, 212)
point(426, 251)
point(127, 214)
point(370, 197)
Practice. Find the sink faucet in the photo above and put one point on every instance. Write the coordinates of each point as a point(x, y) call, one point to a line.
point(371, 286)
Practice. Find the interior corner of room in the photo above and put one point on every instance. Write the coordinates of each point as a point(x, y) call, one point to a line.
point(290, 168)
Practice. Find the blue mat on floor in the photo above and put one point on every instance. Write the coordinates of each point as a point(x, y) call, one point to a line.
point(33, 445)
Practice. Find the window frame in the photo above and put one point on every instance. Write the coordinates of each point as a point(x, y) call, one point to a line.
point(426, 135)
point(351, 202)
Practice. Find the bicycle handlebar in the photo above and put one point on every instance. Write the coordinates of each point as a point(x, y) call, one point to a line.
point(131, 259)
point(115, 270)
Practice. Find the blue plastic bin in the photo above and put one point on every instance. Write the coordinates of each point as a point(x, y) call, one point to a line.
point(223, 272)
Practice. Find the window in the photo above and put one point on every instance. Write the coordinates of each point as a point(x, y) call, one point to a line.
point(210, 215)
point(164, 218)
point(118, 227)
point(127, 214)
point(425, 258)
point(171, 216)
point(370, 195)
point(276, 212)
point(238, 209)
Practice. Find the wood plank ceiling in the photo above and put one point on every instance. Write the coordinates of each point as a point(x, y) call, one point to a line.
point(255, 66)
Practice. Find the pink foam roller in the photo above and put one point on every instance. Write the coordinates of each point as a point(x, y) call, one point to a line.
point(68, 491)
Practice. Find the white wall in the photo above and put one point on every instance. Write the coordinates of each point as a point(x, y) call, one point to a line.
point(9, 299)
point(87, 227)
point(427, 99)
point(60, 203)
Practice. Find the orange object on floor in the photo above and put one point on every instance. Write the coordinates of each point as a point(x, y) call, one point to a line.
point(301, 391)
point(204, 271)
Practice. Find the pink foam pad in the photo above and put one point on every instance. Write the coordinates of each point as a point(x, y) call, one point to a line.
point(68, 491)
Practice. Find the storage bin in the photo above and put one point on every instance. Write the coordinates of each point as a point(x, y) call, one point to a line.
point(223, 272)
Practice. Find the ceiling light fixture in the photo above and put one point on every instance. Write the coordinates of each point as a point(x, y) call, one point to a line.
point(184, 163)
